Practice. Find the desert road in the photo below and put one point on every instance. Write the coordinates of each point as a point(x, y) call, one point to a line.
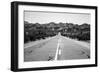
point(56, 48)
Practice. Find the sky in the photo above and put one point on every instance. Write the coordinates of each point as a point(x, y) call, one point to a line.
point(47, 17)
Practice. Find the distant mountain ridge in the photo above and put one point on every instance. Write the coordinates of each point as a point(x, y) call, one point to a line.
point(71, 30)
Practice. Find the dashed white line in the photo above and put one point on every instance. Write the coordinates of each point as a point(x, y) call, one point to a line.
point(58, 51)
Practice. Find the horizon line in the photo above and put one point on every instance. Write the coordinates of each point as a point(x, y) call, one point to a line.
point(56, 23)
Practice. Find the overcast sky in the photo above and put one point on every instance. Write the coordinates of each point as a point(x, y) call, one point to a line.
point(46, 17)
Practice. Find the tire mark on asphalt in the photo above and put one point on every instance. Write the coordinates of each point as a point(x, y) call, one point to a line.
point(84, 53)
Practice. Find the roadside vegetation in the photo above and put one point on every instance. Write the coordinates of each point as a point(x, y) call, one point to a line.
point(37, 31)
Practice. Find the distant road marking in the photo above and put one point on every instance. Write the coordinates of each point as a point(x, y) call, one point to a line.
point(58, 51)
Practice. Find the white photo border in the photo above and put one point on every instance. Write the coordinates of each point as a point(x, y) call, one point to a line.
point(22, 64)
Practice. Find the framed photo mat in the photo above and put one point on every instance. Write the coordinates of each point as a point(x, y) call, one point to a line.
point(15, 33)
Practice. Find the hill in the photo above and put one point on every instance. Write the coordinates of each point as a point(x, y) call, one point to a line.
point(36, 31)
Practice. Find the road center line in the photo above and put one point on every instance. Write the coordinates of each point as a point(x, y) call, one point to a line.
point(58, 50)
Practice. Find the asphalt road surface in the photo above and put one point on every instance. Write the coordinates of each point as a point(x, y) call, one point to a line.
point(56, 48)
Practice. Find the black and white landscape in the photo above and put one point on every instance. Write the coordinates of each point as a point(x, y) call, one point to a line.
point(50, 36)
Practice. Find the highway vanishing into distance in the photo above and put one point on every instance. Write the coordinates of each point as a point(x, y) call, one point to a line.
point(56, 48)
